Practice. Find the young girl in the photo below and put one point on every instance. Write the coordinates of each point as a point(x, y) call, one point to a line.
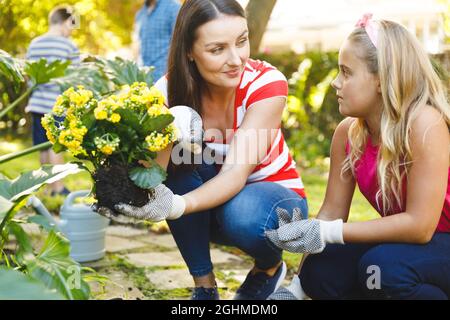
point(395, 146)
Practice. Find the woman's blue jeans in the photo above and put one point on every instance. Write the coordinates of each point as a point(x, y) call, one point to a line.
point(240, 222)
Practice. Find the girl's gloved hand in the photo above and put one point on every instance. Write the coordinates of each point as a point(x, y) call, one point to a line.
point(304, 236)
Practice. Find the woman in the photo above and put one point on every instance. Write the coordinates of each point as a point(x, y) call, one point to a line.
point(240, 102)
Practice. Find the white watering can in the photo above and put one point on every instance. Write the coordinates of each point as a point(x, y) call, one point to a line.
point(85, 229)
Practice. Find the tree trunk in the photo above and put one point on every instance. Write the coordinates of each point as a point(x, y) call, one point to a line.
point(258, 15)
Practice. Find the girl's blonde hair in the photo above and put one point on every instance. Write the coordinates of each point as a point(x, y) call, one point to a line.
point(408, 83)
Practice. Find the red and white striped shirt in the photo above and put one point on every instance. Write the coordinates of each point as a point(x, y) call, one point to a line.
point(260, 81)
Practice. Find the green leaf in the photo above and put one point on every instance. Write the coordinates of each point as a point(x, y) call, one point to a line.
point(88, 120)
point(14, 192)
point(41, 221)
point(42, 72)
point(156, 124)
point(7, 216)
point(88, 74)
point(10, 68)
point(128, 137)
point(148, 178)
point(129, 118)
point(123, 72)
point(23, 240)
point(5, 206)
point(58, 147)
point(144, 154)
point(18, 286)
point(56, 269)
point(30, 181)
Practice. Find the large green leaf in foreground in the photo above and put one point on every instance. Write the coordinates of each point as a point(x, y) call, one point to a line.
point(15, 285)
point(11, 191)
point(10, 68)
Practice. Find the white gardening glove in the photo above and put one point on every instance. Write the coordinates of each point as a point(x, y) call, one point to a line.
point(304, 236)
point(293, 291)
point(190, 128)
point(163, 204)
point(296, 288)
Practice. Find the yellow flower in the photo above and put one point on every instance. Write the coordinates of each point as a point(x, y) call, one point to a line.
point(134, 98)
point(115, 117)
point(107, 144)
point(79, 151)
point(79, 133)
point(50, 136)
point(62, 137)
point(73, 123)
point(72, 139)
point(78, 97)
point(70, 114)
point(157, 141)
point(73, 144)
point(154, 111)
point(100, 114)
point(157, 95)
point(77, 104)
point(48, 123)
point(172, 131)
point(103, 104)
point(114, 105)
point(106, 150)
point(69, 91)
point(58, 109)
point(124, 90)
point(157, 110)
point(111, 103)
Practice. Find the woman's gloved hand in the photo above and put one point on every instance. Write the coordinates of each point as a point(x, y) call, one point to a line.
point(190, 128)
point(162, 204)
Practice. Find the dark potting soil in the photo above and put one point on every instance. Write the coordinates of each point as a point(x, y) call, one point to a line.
point(113, 186)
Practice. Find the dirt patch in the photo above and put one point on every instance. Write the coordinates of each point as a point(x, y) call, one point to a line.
point(113, 186)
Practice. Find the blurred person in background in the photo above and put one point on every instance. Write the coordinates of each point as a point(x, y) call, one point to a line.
point(153, 28)
point(54, 45)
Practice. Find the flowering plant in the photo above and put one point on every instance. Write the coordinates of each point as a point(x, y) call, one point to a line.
point(114, 133)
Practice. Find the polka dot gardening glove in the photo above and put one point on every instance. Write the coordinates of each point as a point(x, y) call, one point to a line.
point(163, 204)
point(304, 236)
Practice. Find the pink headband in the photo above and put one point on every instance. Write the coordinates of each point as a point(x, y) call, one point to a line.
point(370, 26)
